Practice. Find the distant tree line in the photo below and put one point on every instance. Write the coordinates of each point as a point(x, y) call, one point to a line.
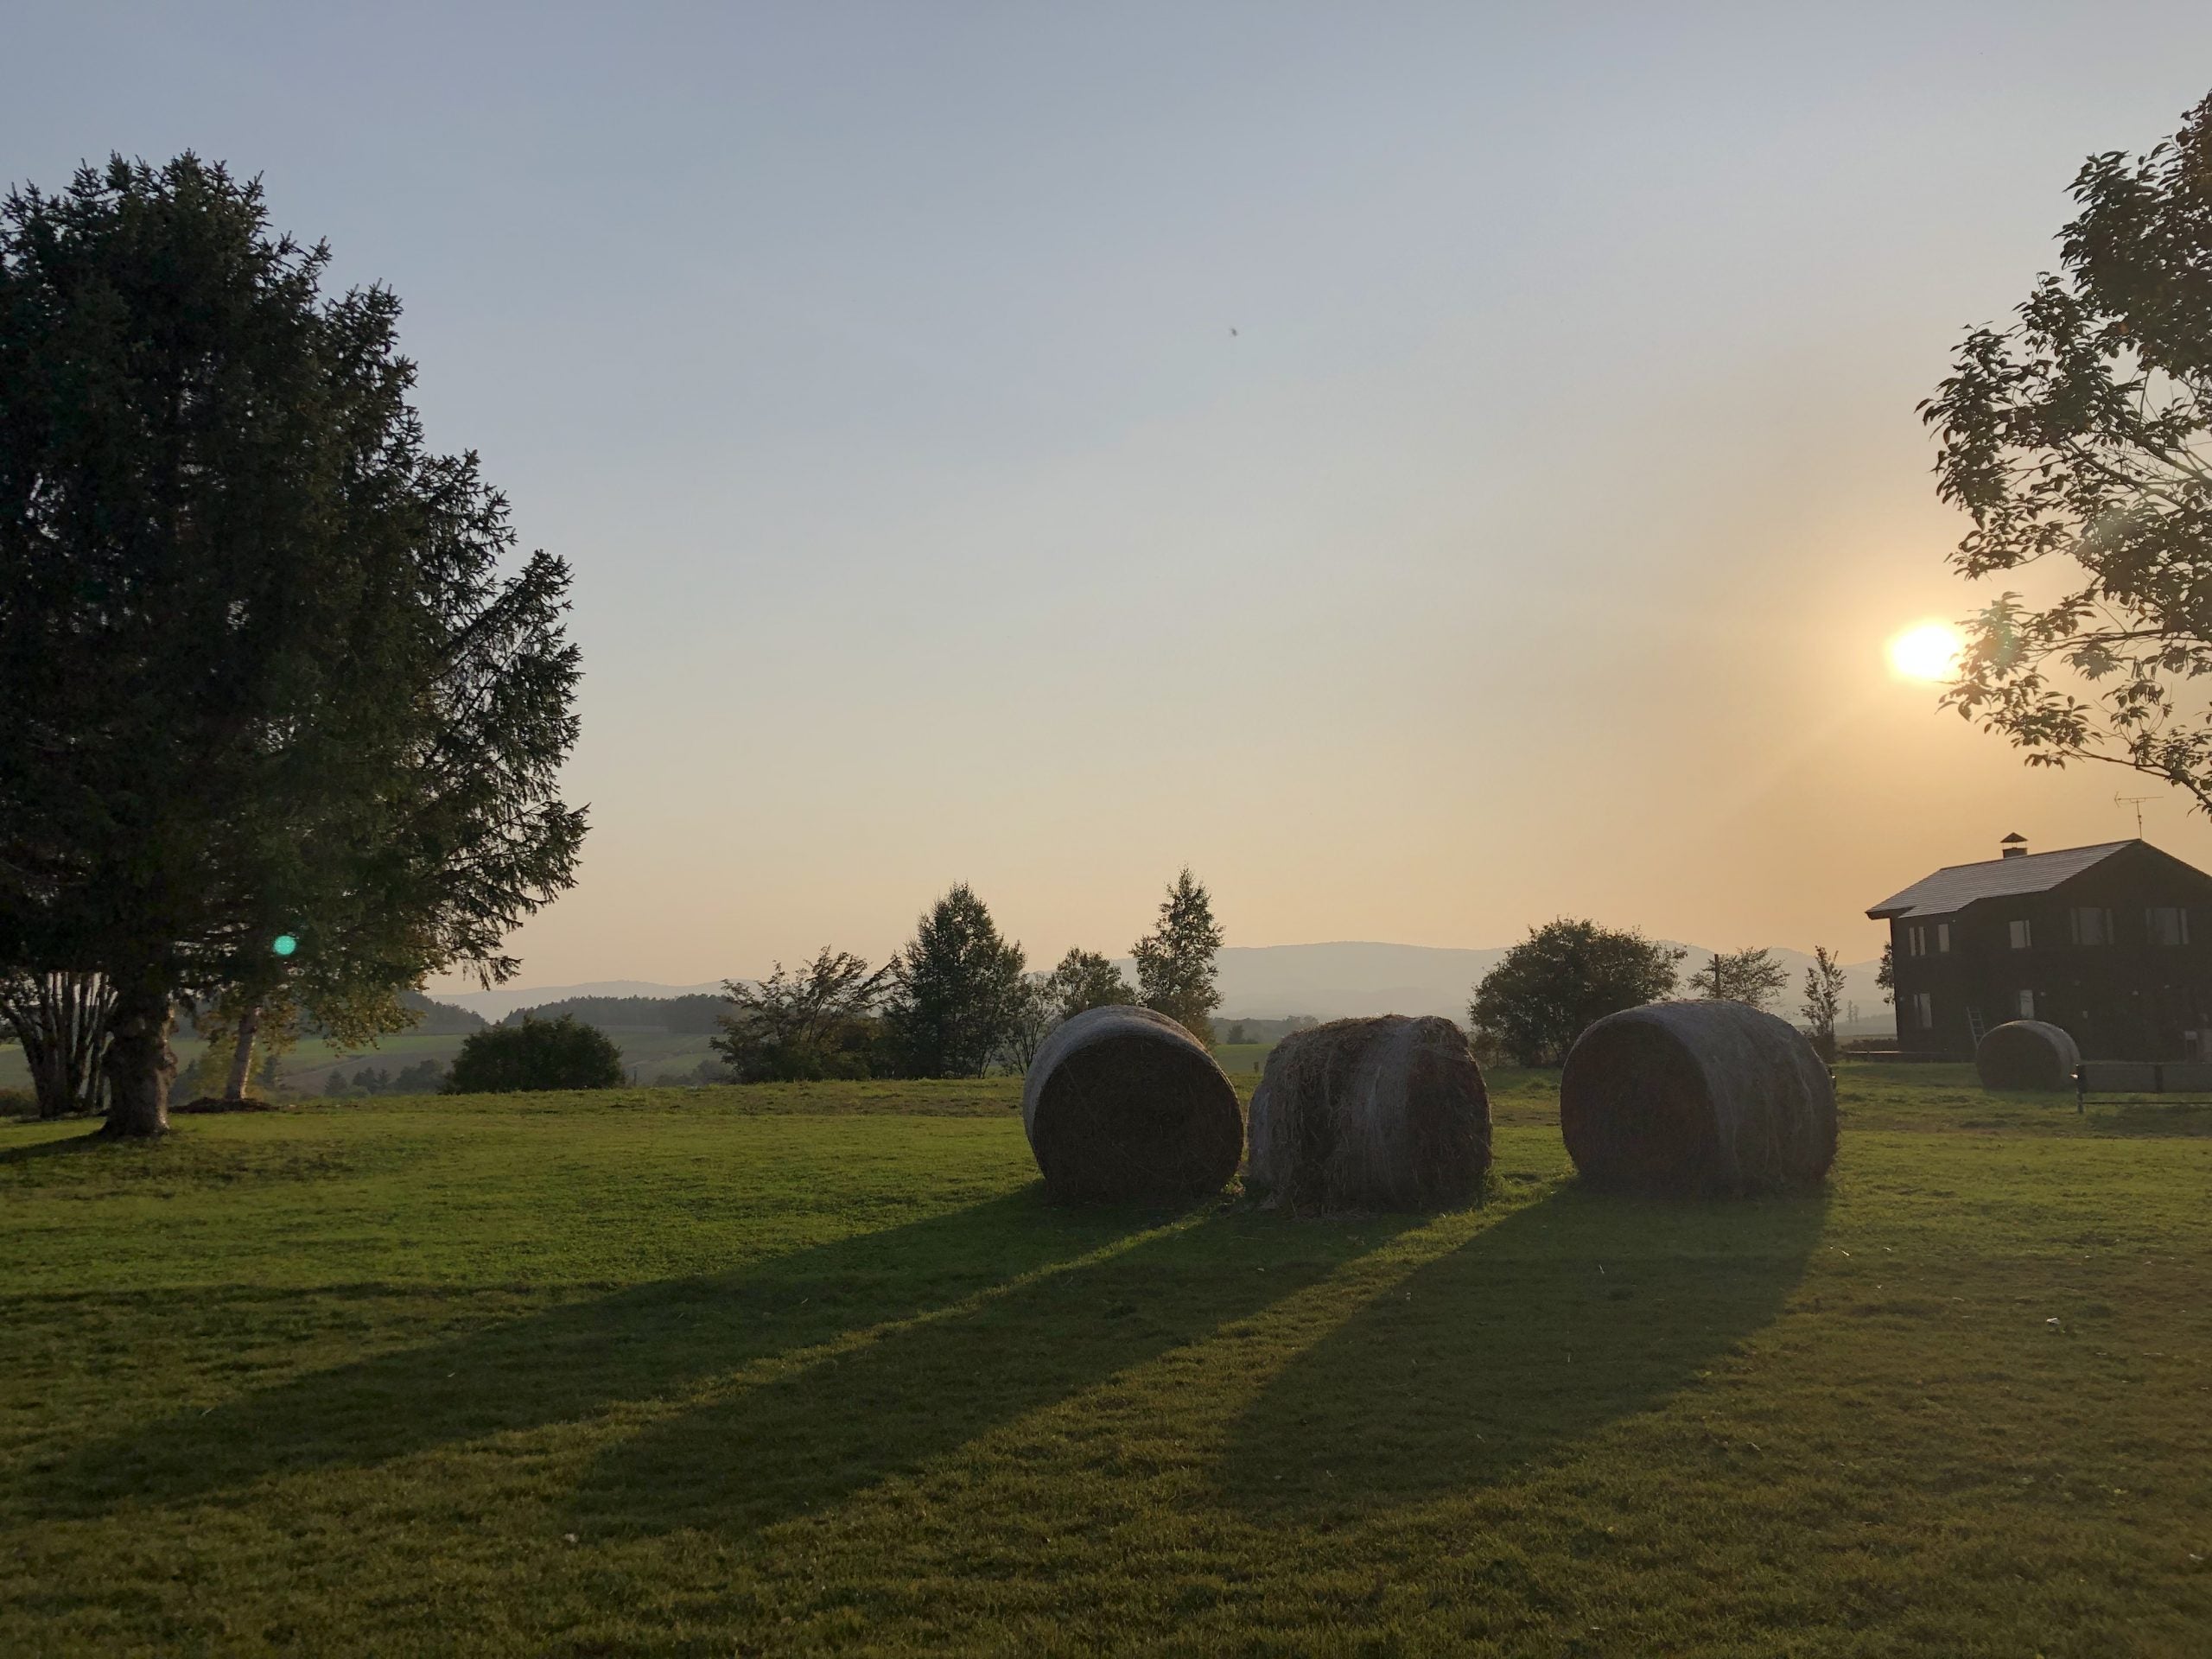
point(696, 1015)
point(958, 1000)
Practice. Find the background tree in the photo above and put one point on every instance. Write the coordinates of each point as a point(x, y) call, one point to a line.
point(536, 1054)
point(956, 991)
point(1034, 1014)
point(1823, 1001)
point(816, 1021)
point(1565, 976)
point(1084, 980)
point(1175, 962)
point(2081, 435)
point(1749, 976)
point(1886, 975)
point(209, 473)
point(61, 1019)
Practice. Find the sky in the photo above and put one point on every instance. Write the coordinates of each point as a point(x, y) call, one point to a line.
point(1429, 468)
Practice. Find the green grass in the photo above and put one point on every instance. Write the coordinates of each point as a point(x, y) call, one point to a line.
point(808, 1368)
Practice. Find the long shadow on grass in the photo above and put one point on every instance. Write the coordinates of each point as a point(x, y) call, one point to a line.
point(61, 1145)
point(1571, 1314)
point(747, 1459)
point(572, 1361)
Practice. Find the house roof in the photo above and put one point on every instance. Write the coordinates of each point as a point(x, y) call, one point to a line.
point(1956, 885)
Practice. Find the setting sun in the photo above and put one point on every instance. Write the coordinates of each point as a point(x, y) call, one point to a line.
point(1927, 651)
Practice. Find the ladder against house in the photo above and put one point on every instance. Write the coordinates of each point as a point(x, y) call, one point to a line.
point(1974, 1027)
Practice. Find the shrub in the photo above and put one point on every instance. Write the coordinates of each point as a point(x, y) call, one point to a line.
point(536, 1054)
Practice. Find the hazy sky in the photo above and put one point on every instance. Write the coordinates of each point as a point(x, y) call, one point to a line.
point(1529, 549)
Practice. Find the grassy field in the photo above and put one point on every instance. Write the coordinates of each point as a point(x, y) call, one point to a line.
point(791, 1370)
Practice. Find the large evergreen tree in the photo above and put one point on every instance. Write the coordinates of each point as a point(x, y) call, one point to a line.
point(957, 990)
point(266, 675)
point(1175, 964)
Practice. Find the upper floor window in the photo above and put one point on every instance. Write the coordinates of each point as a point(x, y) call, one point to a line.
point(2091, 925)
point(2022, 934)
point(2166, 925)
point(1919, 940)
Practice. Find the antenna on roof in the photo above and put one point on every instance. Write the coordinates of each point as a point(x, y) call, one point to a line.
point(2136, 801)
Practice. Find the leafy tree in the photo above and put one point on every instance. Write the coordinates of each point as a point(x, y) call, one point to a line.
point(817, 1021)
point(209, 471)
point(536, 1054)
point(1565, 976)
point(1035, 1012)
point(1823, 999)
point(1749, 976)
point(1084, 980)
point(1886, 975)
point(957, 990)
point(2080, 435)
point(1175, 964)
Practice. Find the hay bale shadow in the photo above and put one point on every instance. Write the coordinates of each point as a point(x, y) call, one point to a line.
point(1513, 1348)
point(564, 1363)
point(739, 1463)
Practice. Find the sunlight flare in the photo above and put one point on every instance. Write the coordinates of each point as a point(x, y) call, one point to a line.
point(1926, 650)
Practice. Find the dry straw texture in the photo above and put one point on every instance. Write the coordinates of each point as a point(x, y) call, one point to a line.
point(1122, 1104)
point(1380, 1113)
point(2027, 1054)
point(1697, 1099)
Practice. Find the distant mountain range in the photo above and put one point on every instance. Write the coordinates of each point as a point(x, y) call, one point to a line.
point(1267, 981)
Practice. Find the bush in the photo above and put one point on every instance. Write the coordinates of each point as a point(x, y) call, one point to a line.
point(536, 1054)
point(18, 1102)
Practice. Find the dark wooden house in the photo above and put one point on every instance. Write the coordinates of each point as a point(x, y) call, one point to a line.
point(2112, 943)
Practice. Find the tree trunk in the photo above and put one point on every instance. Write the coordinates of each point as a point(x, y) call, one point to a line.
point(141, 1064)
point(242, 1055)
point(61, 1019)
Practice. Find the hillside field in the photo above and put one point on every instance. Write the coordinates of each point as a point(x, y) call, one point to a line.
point(791, 1370)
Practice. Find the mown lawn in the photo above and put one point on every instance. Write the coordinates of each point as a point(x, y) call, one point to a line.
point(782, 1371)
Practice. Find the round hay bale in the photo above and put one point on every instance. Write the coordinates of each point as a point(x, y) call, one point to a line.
point(1122, 1104)
point(2027, 1054)
point(1380, 1113)
point(1697, 1099)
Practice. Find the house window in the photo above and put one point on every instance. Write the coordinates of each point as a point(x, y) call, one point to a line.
point(1915, 941)
point(2091, 925)
point(2023, 936)
point(2027, 1005)
point(1943, 938)
point(2166, 925)
point(1923, 1010)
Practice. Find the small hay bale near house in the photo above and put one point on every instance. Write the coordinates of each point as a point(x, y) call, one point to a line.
point(1379, 1114)
point(1122, 1105)
point(1697, 1099)
point(2027, 1054)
